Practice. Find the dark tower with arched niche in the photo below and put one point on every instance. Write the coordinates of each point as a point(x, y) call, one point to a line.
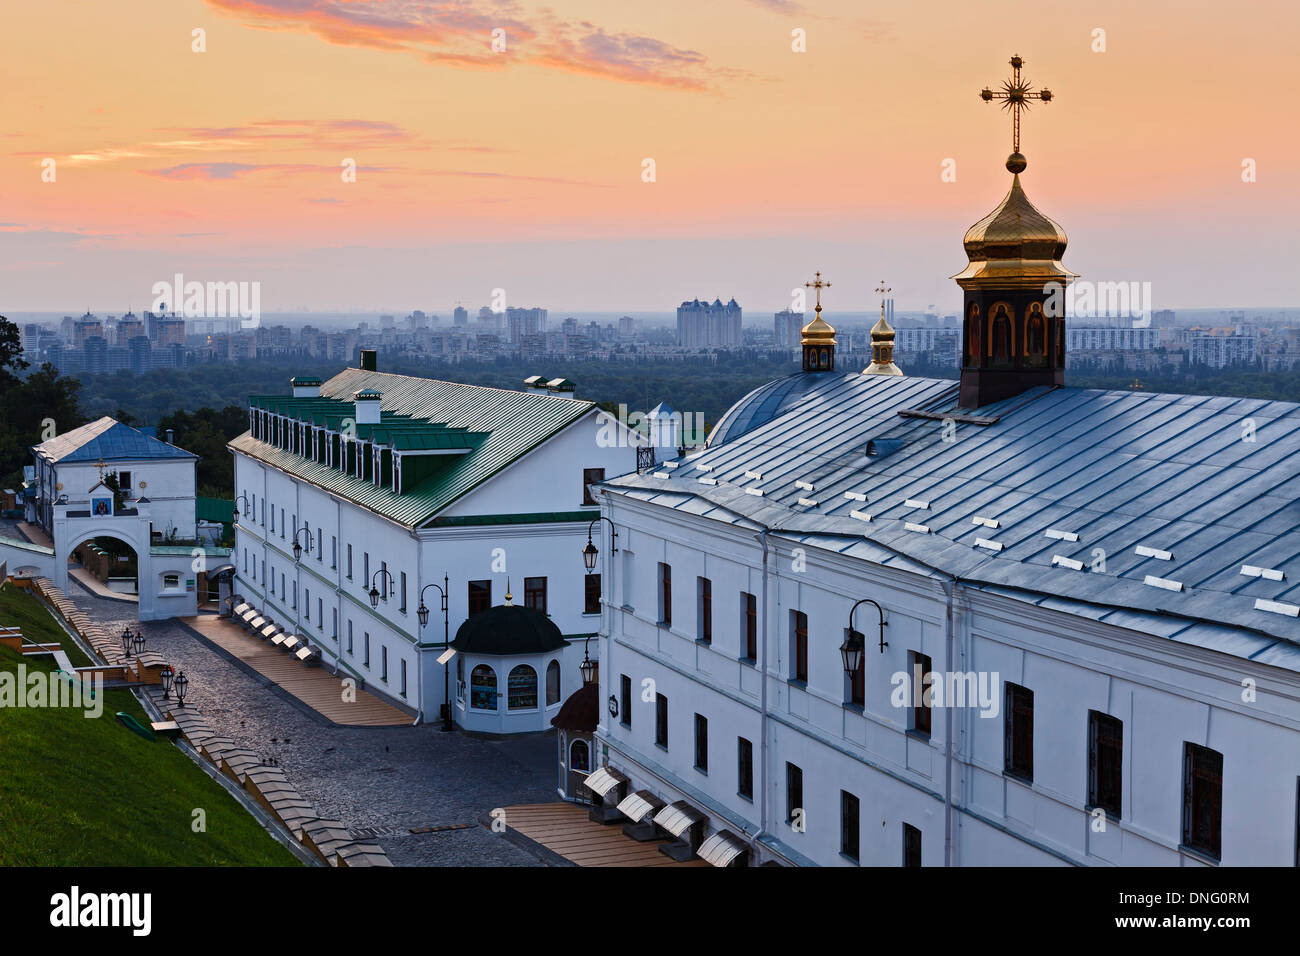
point(1013, 324)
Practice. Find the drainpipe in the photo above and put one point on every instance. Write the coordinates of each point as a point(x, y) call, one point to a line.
point(949, 636)
point(762, 671)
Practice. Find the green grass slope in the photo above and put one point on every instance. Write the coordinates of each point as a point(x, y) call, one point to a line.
point(79, 791)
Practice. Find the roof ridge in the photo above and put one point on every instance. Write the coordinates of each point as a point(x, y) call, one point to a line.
point(443, 381)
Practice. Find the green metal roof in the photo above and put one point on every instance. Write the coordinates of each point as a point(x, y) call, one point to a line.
point(494, 428)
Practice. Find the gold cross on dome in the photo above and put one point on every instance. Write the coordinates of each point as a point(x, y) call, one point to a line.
point(1015, 95)
point(818, 284)
point(884, 290)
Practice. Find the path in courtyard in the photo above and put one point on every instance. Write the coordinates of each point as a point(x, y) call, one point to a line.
point(380, 781)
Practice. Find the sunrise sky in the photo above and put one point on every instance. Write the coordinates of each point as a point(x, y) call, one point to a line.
point(522, 169)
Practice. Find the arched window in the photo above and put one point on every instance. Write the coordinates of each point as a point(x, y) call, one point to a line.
point(579, 756)
point(483, 688)
point(521, 688)
point(552, 683)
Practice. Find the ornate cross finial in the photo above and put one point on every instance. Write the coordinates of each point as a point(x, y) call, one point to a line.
point(884, 290)
point(101, 466)
point(818, 284)
point(1016, 95)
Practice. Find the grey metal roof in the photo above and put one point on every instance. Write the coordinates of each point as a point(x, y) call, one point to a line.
point(1170, 474)
point(110, 440)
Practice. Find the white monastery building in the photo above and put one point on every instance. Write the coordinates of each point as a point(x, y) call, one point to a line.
point(361, 498)
point(883, 620)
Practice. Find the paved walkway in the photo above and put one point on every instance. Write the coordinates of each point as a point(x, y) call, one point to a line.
point(98, 588)
point(564, 828)
point(383, 782)
point(314, 686)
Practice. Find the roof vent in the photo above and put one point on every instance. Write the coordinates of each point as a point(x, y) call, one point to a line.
point(305, 386)
point(368, 361)
point(880, 447)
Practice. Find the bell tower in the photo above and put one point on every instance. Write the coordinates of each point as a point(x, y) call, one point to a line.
point(1013, 335)
point(818, 337)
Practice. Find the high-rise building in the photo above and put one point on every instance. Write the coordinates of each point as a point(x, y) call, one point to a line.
point(786, 326)
point(460, 316)
point(703, 325)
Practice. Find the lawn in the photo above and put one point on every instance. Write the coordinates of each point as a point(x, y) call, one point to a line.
point(79, 791)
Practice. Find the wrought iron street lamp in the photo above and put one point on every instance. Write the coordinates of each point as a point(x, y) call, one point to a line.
point(127, 638)
point(138, 641)
point(590, 552)
point(422, 612)
point(374, 591)
point(166, 674)
point(244, 499)
point(297, 548)
point(182, 684)
point(588, 666)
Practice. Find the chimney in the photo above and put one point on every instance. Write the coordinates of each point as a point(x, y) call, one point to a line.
point(665, 426)
point(171, 436)
point(368, 362)
point(367, 405)
point(305, 386)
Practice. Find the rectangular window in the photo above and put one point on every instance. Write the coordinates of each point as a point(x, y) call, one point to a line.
point(920, 680)
point(282, 591)
point(306, 604)
point(334, 551)
point(334, 614)
point(749, 616)
point(263, 570)
point(745, 768)
point(365, 647)
point(625, 704)
point(402, 594)
point(705, 589)
point(1105, 763)
point(349, 562)
point(850, 845)
point(590, 475)
point(911, 845)
point(591, 594)
point(799, 646)
point(665, 594)
point(124, 480)
point(383, 663)
point(383, 580)
point(320, 544)
point(273, 520)
point(349, 638)
point(320, 614)
point(403, 691)
point(1018, 724)
point(535, 594)
point(701, 743)
point(1202, 799)
point(365, 569)
point(480, 597)
point(281, 522)
point(294, 603)
point(661, 720)
point(793, 793)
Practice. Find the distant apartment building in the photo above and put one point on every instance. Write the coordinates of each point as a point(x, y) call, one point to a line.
point(1220, 351)
point(701, 325)
point(1111, 339)
point(943, 346)
point(524, 322)
point(626, 327)
point(787, 326)
point(460, 316)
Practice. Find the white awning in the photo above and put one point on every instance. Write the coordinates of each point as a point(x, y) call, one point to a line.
point(636, 806)
point(604, 780)
point(679, 817)
point(722, 848)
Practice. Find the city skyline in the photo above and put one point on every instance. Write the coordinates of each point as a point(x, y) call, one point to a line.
point(230, 171)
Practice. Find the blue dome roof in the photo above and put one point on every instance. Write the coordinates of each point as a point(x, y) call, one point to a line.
point(763, 404)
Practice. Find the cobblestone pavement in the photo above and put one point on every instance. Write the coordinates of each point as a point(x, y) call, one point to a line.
point(382, 779)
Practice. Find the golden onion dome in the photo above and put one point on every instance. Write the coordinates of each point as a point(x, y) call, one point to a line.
point(818, 331)
point(882, 350)
point(1014, 245)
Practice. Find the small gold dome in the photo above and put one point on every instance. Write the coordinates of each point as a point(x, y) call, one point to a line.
point(1014, 245)
point(818, 331)
point(882, 350)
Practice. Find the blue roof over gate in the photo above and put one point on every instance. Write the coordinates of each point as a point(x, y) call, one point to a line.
point(110, 440)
